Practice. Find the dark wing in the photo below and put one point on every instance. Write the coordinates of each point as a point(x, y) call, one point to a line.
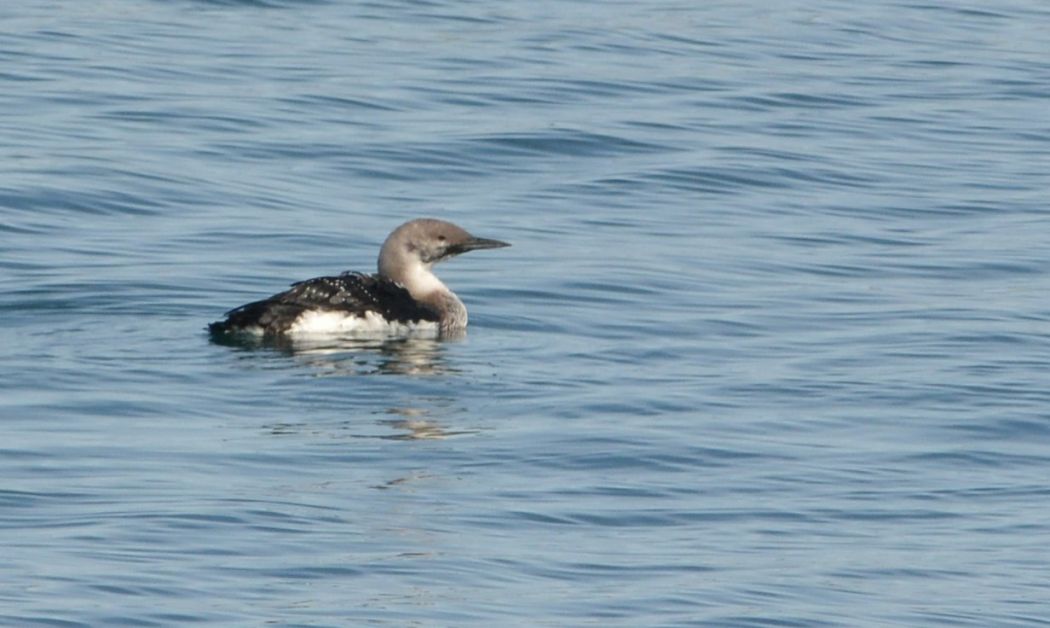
point(353, 293)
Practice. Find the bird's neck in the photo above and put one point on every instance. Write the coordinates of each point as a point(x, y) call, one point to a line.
point(426, 288)
point(451, 310)
point(420, 281)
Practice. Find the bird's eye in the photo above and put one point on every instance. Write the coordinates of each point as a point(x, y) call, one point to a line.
point(442, 238)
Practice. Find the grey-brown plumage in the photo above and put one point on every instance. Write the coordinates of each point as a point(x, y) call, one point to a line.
point(405, 291)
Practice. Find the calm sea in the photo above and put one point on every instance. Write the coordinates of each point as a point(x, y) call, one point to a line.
point(771, 346)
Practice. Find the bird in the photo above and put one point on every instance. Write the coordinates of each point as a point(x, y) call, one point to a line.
point(405, 296)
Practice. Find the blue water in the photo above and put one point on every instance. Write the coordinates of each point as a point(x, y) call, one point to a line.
point(771, 346)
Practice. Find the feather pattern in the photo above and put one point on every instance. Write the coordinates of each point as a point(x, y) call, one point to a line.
point(352, 294)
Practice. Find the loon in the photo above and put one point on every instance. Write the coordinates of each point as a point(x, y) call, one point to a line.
point(404, 296)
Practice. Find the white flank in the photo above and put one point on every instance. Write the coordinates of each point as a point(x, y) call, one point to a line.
point(321, 322)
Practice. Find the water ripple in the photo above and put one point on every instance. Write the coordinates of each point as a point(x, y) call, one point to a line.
point(768, 349)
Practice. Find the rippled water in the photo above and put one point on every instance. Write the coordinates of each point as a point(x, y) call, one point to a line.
point(770, 347)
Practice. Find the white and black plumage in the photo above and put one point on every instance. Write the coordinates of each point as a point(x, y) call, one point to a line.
point(404, 296)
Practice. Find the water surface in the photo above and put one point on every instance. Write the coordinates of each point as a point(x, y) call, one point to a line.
point(770, 346)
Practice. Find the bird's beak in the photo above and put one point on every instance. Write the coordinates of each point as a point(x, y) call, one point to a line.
point(475, 244)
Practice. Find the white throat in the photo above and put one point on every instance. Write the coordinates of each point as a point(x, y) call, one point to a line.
point(420, 281)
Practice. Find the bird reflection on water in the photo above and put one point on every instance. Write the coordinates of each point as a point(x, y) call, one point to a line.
point(412, 424)
point(357, 355)
point(414, 356)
